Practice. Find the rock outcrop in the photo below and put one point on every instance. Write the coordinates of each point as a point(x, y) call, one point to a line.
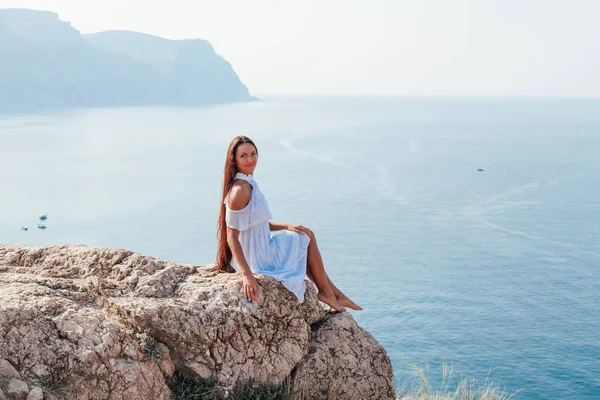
point(78, 322)
point(342, 361)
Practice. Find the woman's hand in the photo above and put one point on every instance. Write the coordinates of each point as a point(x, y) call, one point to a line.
point(250, 287)
point(299, 229)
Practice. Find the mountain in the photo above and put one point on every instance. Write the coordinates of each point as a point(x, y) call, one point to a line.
point(194, 72)
point(45, 62)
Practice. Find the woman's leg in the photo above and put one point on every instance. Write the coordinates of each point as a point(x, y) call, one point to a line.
point(339, 295)
point(316, 272)
point(342, 298)
point(317, 259)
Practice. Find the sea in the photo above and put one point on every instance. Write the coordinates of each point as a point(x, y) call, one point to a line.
point(468, 228)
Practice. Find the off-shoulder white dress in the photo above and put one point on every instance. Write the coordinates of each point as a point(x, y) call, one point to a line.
point(282, 255)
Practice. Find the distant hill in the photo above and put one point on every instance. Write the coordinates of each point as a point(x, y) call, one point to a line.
point(194, 72)
point(45, 62)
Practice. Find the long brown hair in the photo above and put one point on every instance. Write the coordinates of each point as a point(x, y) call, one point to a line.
point(224, 254)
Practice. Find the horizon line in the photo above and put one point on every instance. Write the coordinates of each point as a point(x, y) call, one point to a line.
point(401, 95)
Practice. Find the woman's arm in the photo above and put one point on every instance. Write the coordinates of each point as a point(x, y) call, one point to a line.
point(277, 226)
point(249, 285)
point(239, 197)
point(233, 241)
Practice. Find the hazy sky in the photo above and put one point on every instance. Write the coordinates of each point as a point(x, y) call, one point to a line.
point(390, 47)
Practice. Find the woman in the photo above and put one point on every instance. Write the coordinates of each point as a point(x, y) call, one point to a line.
point(244, 233)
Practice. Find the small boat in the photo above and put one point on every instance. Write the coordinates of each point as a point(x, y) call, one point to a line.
point(43, 217)
point(41, 226)
point(25, 228)
point(480, 169)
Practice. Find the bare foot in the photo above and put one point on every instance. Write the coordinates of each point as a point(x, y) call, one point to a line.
point(346, 302)
point(331, 301)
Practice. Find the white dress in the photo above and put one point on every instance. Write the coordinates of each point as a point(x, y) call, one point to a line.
point(282, 256)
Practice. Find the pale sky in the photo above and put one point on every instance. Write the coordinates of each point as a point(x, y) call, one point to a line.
point(384, 47)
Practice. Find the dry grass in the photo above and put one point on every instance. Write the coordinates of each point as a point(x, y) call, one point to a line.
point(450, 389)
point(185, 388)
point(420, 388)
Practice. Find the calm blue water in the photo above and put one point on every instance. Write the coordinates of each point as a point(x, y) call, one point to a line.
point(494, 272)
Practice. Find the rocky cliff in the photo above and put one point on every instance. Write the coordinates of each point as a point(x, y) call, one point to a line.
point(193, 71)
point(99, 323)
point(45, 62)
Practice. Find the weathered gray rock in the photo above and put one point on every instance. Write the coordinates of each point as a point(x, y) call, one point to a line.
point(7, 370)
point(17, 389)
point(110, 323)
point(36, 394)
point(344, 362)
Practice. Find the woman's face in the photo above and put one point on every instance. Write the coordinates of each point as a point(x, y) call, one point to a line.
point(246, 158)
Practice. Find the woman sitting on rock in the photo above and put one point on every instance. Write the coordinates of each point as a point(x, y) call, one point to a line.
point(244, 232)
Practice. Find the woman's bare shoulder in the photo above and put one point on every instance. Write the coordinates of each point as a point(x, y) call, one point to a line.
point(240, 194)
